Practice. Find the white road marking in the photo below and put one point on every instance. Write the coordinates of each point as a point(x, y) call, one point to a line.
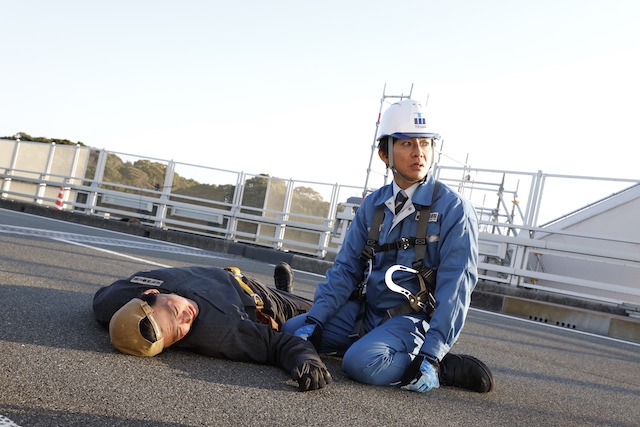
point(6, 422)
point(146, 261)
point(79, 239)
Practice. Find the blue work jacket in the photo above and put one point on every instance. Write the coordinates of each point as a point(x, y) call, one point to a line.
point(452, 252)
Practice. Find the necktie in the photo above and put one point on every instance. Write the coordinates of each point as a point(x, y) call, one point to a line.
point(401, 199)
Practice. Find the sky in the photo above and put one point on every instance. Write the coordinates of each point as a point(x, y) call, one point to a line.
point(293, 88)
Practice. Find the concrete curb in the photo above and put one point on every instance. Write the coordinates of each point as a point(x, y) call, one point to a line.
point(607, 324)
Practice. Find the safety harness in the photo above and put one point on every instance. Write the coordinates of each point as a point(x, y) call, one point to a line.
point(423, 299)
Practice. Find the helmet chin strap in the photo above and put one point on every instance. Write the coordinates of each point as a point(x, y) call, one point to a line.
point(395, 171)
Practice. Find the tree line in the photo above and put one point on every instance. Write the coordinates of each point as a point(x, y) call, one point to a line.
point(149, 176)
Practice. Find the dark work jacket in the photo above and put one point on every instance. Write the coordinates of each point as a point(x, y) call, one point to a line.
point(225, 326)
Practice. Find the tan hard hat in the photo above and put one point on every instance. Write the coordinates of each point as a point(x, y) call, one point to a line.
point(124, 329)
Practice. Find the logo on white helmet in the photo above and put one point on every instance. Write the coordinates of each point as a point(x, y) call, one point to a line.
point(419, 120)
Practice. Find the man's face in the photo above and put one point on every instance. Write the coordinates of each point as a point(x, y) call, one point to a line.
point(412, 158)
point(174, 314)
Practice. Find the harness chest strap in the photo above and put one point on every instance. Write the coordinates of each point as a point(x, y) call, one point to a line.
point(420, 243)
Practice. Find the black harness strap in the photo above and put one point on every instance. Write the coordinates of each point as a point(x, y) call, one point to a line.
point(369, 251)
point(426, 277)
point(366, 256)
point(420, 251)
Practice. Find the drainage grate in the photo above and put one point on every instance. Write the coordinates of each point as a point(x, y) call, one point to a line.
point(539, 319)
point(566, 325)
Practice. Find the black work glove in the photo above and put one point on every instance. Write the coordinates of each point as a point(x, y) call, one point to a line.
point(311, 375)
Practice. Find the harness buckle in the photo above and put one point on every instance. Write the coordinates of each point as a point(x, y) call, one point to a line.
point(403, 244)
point(368, 253)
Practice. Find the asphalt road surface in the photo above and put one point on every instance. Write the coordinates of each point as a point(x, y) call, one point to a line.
point(57, 367)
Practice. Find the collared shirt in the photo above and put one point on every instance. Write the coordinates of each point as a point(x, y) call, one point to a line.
point(408, 207)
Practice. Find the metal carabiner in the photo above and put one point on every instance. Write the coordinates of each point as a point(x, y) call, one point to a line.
point(388, 280)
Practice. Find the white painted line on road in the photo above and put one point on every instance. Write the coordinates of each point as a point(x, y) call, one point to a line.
point(149, 245)
point(309, 273)
point(6, 422)
point(113, 253)
point(77, 225)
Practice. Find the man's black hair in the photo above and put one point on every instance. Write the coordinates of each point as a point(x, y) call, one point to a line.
point(383, 145)
point(149, 298)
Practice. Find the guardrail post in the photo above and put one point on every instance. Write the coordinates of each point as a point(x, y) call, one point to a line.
point(533, 207)
point(6, 184)
point(161, 213)
point(238, 194)
point(92, 199)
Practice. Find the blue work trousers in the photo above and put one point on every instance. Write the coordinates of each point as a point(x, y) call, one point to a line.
point(382, 355)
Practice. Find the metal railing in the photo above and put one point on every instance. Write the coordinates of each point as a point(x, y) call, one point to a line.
point(277, 213)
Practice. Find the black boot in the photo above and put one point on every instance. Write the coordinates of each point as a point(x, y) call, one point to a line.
point(465, 372)
point(283, 277)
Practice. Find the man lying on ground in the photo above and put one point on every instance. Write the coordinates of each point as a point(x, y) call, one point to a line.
point(212, 311)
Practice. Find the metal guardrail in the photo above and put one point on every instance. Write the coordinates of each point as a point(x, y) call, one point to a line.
point(510, 251)
point(518, 269)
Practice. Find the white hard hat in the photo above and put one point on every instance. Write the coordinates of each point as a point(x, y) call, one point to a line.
point(403, 120)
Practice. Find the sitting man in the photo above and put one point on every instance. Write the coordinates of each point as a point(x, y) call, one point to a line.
point(399, 330)
point(212, 311)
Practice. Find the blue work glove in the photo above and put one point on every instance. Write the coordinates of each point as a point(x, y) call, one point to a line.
point(426, 379)
point(305, 331)
point(311, 331)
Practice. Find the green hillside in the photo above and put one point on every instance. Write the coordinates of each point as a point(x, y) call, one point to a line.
point(147, 176)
